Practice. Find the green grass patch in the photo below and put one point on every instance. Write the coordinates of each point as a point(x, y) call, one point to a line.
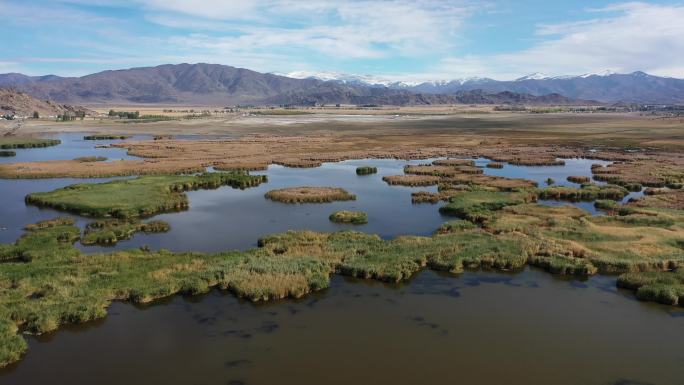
point(478, 206)
point(88, 159)
point(607, 204)
point(106, 137)
point(588, 192)
point(109, 233)
point(143, 196)
point(666, 287)
point(366, 170)
point(353, 217)
point(18, 142)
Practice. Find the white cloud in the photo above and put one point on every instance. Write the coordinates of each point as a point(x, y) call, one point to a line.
point(289, 35)
point(342, 30)
point(624, 37)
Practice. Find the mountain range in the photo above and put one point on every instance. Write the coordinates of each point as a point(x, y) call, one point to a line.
point(606, 86)
point(213, 84)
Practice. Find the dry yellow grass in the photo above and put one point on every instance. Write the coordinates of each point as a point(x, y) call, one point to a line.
point(309, 195)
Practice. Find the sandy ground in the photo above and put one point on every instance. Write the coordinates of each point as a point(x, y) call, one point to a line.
point(526, 127)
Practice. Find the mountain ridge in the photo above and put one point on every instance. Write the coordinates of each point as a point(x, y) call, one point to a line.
point(605, 86)
point(217, 84)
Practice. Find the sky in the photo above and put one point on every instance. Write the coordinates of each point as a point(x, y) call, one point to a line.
point(410, 40)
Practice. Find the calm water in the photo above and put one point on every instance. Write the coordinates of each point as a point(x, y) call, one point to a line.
point(527, 327)
point(72, 146)
point(225, 218)
point(479, 328)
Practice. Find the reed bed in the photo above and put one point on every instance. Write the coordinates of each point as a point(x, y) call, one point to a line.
point(109, 233)
point(579, 179)
point(298, 163)
point(429, 197)
point(25, 142)
point(59, 221)
point(454, 162)
point(472, 170)
point(366, 170)
point(7, 154)
point(495, 165)
point(143, 196)
point(489, 181)
point(428, 169)
point(607, 204)
point(587, 192)
point(412, 180)
point(529, 160)
point(666, 287)
point(106, 137)
point(241, 166)
point(308, 194)
point(352, 217)
point(89, 159)
point(479, 206)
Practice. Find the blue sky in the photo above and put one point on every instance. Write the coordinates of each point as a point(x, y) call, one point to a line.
point(399, 40)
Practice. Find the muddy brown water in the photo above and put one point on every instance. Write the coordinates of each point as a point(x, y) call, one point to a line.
point(479, 328)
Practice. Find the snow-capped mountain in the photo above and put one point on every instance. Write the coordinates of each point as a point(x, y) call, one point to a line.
point(534, 76)
point(366, 80)
point(431, 86)
point(213, 83)
point(543, 76)
point(606, 86)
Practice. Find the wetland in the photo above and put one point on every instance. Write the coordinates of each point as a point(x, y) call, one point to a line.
point(454, 253)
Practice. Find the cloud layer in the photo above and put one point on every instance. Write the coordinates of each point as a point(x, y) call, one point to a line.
point(401, 39)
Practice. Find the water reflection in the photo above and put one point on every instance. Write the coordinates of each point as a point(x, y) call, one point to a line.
point(226, 219)
point(529, 325)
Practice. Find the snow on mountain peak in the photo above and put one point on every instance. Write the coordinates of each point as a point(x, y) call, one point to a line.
point(340, 77)
point(600, 73)
point(534, 76)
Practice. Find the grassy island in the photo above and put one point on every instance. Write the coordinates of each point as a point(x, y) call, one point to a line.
point(7, 154)
point(108, 233)
point(88, 159)
point(412, 180)
point(106, 137)
point(495, 165)
point(587, 192)
point(366, 170)
point(454, 162)
point(309, 195)
point(353, 217)
point(579, 179)
point(18, 142)
point(478, 206)
point(143, 196)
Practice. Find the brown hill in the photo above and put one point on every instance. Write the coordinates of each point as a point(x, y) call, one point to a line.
point(19, 104)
